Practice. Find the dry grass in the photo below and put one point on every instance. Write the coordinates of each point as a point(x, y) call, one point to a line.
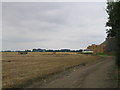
point(18, 69)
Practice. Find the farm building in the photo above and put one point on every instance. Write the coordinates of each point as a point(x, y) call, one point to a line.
point(22, 52)
point(87, 51)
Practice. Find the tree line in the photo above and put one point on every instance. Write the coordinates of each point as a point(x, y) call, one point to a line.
point(45, 50)
point(113, 10)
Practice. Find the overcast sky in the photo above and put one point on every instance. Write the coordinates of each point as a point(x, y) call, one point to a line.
point(52, 25)
point(0, 26)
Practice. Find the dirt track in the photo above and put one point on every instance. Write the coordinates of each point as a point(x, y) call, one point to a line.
point(88, 76)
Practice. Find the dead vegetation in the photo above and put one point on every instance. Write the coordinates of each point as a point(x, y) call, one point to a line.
point(19, 69)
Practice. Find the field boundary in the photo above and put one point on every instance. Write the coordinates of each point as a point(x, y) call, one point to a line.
point(43, 79)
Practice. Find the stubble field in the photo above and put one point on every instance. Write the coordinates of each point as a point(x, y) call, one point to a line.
point(19, 70)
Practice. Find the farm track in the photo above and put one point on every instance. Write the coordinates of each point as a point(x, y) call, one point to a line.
point(96, 75)
point(33, 67)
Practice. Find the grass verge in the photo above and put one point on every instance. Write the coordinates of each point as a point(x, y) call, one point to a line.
point(105, 54)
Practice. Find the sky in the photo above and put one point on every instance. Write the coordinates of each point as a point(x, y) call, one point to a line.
point(52, 25)
point(0, 26)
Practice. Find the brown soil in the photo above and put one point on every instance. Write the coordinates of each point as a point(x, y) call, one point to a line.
point(89, 76)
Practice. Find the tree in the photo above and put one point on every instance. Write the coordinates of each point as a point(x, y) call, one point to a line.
point(113, 10)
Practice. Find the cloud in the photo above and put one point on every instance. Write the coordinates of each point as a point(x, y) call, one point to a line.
point(0, 15)
point(53, 25)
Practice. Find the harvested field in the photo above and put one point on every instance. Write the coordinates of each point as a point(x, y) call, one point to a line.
point(21, 69)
